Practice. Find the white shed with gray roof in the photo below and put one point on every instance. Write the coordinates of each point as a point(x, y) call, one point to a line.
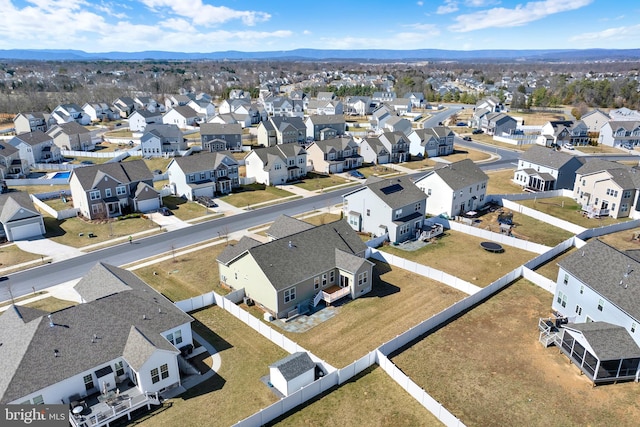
point(292, 373)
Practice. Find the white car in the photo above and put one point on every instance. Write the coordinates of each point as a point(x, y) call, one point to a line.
point(568, 146)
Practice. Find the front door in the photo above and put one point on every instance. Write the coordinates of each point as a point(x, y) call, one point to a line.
point(344, 281)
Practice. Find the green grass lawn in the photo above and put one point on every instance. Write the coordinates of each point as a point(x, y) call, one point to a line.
point(11, 255)
point(236, 392)
point(354, 403)
point(453, 251)
point(568, 209)
point(488, 368)
point(251, 194)
point(315, 182)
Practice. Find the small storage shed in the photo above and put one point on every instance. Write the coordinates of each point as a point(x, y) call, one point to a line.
point(292, 373)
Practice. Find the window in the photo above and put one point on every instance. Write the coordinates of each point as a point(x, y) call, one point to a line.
point(155, 375)
point(398, 213)
point(94, 195)
point(332, 276)
point(301, 160)
point(88, 382)
point(368, 212)
point(578, 310)
point(562, 299)
point(566, 279)
point(581, 289)
point(38, 400)
point(633, 327)
point(324, 280)
point(170, 338)
point(278, 166)
point(613, 206)
point(418, 206)
point(202, 175)
point(600, 304)
point(107, 192)
point(121, 190)
point(316, 282)
point(362, 278)
point(164, 371)
point(289, 294)
point(404, 229)
point(119, 369)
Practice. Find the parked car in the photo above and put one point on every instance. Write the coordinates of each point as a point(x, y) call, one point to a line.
point(568, 146)
point(356, 174)
point(207, 202)
point(467, 138)
point(477, 131)
point(165, 211)
point(461, 124)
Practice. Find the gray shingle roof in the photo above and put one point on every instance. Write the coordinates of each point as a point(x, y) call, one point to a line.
point(609, 342)
point(396, 192)
point(294, 365)
point(86, 336)
point(598, 165)
point(11, 203)
point(543, 156)
point(326, 119)
point(71, 128)
point(204, 161)
point(285, 225)
point(31, 138)
point(602, 268)
point(124, 172)
point(231, 252)
point(282, 151)
point(460, 174)
point(220, 129)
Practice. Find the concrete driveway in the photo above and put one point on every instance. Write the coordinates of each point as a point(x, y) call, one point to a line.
point(169, 222)
point(48, 248)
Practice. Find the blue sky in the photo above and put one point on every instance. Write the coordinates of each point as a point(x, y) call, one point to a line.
point(211, 25)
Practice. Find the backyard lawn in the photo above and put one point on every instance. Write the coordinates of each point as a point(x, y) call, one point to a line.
point(460, 153)
point(568, 209)
point(623, 240)
point(11, 255)
point(317, 182)
point(488, 368)
point(355, 402)
point(378, 170)
point(550, 268)
point(252, 194)
point(236, 392)
point(500, 182)
point(460, 255)
point(399, 299)
point(50, 304)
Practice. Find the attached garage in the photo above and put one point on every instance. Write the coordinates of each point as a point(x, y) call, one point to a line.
point(148, 205)
point(26, 231)
point(18, 216)
point(202, 191)
point(146, 199)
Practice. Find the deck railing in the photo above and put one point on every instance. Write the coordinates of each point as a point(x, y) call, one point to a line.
point(122, 408)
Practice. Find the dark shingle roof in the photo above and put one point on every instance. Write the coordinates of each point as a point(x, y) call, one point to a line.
point(602, 268)
point(543, 156)
point(598, 165)
point(86, 335)
point(220, 129)
point(294, 365)
point(204, 161)
point(285, 226)
point(125, 172)
point(31, 138)
point(396, 192)
point(609, 342)
point(460, 174)
point(231, 252)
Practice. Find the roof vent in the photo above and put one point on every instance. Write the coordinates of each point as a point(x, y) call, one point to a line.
point(144, 317)
point(56, 353)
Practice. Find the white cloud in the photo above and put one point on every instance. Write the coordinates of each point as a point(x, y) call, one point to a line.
point(428, 29)
point(449, 6)
point(501, 17)
point(306, 32)
point(205, 14)
point(420, 3)
point(618, 33)
point(480, 3)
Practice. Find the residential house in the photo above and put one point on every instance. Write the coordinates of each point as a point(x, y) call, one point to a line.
point(397, 144)
point(431, 142)
point(380, 116)
point(204, 109)
point(401, 106)
point(123, 335)
point(594, 120)
point(373, 151)
point(282, 130)
point(285, 226)
point(334, 155)
point(11, 165)
point(19, 218)
point(139, 119)
point(99, 111)
point(72, 136)
point(416, 98)
point(624, 113)
point(65, 113)
point(292, 373)
point(203, 175)
point(124, 106)
point(325, 127)
point(398, 124)
point(454, 188)
point(606, 188)
point(32, 121)
point(179, 100)
point(239, 94)
point(288, 275)
point(491, 103)
point(563, 132)
point(162, 140)
point(498, 124)
point(182, 116)
point(543, 169)
point(276, 165)
point(36, 147)
point(381, 97)
point(325, 106)
point(113, 189)
point(395, 206)
point(596, 296)
point(620, 134)
point(244, 120)
point(358, 105)
point(148, 103)
point(221, 137)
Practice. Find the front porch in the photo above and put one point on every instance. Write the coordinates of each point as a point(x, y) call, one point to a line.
point(100, 409)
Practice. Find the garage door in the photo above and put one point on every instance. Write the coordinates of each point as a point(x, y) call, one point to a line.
point(22, 232)
point(148, 205)
point(199, 192)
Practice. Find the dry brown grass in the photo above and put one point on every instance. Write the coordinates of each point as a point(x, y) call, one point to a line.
point(50, 304)
point(535, 118)
point(488, 368)
point(371, 398)
point(568, 209)
point(550, 268)
point(623, 240)
point(236, 392)
point(11, 255)
point(500, 182)
point(454, 251)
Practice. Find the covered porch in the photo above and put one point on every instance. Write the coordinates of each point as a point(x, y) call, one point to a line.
point(537, 181)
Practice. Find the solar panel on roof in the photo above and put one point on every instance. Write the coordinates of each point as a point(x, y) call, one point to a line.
point(391, 189)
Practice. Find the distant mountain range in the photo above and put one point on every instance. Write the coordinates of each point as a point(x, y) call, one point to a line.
point(546, 55)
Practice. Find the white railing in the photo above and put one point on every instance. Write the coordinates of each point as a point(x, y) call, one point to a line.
point(336, 295)
point(317, 299)
point(126, 406)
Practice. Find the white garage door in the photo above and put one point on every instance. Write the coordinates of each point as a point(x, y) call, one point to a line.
point(148, 205)
point(199, 192)
point(22, 232)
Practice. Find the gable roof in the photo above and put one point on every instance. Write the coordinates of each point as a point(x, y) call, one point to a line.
point(395, 192)
point(460, 174)
point(220, 129)
point(123, 172)
point(608, 342)
point(327, 119)
point(281, 151)
point(31, 138)
point(85, 336)
point(294, 365)
point(71, 128)
point(204, 161)
point(598, 165)
point(7, 150)
point(185, 111)
point(548, 157)
point(285, 225)
point(12, 202)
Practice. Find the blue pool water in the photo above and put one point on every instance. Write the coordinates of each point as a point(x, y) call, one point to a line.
point(61, 175)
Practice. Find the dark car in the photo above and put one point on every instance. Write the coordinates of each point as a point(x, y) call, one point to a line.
point(467, 138)
point(477, 131)
point(165, 211)
point(357, 174)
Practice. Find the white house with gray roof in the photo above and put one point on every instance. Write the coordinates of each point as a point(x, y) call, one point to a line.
point(159, 140)
point(182, 116)
point(139, 119)
point(203, 175)
point(395, 206)
point(71, 136)
point(19, 219)
point(598, 292)
point(454, 188)
point(298, 270)
point(276, 165)
point(123, 334)
point(321, 127)
point(281, 130)
point(32, 121)
point(373, 151)
point(36, 147)
point(620, 133)
point(431, 142)
point(543, 169)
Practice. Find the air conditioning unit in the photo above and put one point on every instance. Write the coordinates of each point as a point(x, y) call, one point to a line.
point(268, 317)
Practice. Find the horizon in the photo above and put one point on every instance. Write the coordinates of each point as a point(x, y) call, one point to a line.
point(203, 26)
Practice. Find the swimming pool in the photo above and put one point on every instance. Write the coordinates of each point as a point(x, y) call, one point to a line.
point(61, 175)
